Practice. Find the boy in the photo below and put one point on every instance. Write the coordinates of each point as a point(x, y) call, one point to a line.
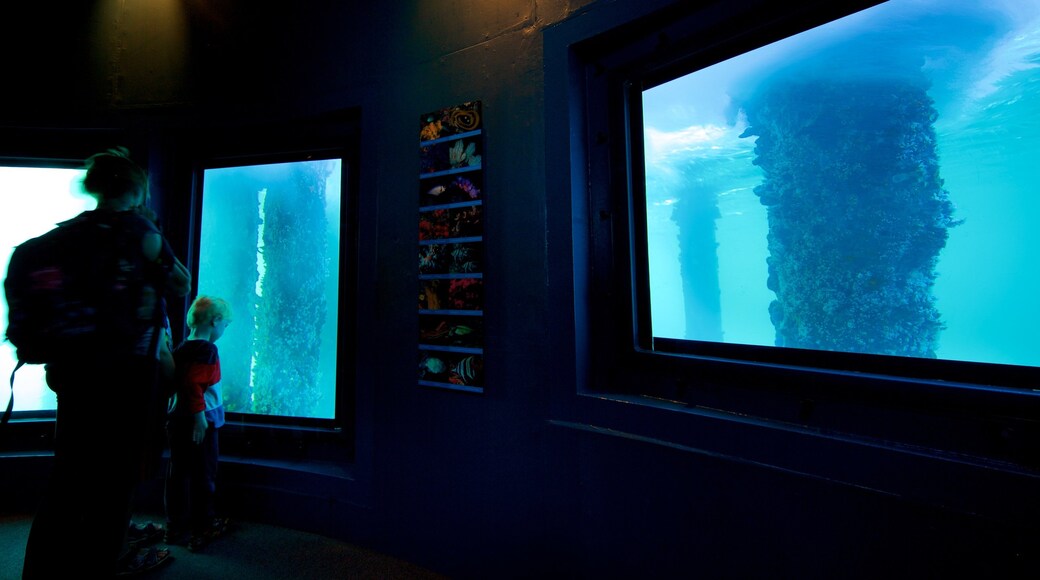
point(196, 415)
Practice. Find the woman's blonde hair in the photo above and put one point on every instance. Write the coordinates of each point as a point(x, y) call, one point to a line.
point(206, 309)
point(113, 175)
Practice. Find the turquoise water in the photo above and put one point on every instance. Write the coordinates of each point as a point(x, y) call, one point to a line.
point(32, 201)
point(980, 60)
point(270, 247)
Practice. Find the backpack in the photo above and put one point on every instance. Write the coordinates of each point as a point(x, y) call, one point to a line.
point(71, 294)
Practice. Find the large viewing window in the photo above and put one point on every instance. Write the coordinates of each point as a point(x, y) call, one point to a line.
point(858, 195)
point(33, 199)
point(797, 234)
point(270, 245)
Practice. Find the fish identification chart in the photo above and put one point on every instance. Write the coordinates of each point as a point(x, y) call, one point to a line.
point(451, 249)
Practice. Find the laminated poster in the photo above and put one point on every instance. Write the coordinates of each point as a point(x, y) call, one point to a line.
point(451, 249)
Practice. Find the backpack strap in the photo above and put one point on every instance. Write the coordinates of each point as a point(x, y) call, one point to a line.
point(10, 402)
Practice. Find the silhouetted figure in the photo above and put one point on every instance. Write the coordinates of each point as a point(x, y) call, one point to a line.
point(107, 395)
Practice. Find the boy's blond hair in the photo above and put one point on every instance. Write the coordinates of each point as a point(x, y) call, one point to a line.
point(205, 309)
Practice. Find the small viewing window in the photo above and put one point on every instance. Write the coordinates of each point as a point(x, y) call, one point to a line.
point(270, 245)
point(33, 200)
point(860, 195)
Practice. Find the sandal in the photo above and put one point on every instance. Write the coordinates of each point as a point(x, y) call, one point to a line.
point(176, 536)
point(219, 527)
point(143, 560)
point(140, 535)
point(199, 540)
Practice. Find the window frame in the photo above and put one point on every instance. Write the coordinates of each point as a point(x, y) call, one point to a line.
point(34, 163)
point(31, 433)
point(308, 442)
point(44, 160)
point(652, 71)
point(342, 451)
point(890, 401)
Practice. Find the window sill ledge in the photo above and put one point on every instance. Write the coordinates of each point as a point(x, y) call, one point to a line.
point(940, 478)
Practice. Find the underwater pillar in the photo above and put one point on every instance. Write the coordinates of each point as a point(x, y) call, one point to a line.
point(292, 307)
point(857, 213)
point(695, 212)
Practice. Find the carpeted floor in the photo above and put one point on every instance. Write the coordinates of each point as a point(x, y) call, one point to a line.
point(253, 551)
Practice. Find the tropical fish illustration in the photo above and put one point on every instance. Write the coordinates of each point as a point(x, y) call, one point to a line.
point(466, 370)
point(434, 365)
point(459, 330)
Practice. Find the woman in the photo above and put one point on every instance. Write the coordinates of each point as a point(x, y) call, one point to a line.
point(109, 392)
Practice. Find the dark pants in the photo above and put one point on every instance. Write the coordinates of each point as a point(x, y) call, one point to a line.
point(191, 482)
point(104, 424)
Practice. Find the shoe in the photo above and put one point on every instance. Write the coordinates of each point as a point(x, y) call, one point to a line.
point(176, 536)
point(143, 560)
point(199, 540)
point(141, 535)
point(197, 543)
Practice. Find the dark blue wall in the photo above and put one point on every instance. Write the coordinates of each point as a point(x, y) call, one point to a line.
point(528, 479)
